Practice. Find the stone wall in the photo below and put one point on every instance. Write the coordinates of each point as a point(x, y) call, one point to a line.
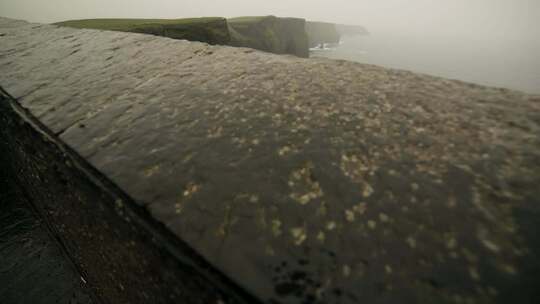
point(315, 181)
point(70, 236)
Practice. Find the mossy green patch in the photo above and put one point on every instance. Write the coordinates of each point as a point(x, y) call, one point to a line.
point(212, 30)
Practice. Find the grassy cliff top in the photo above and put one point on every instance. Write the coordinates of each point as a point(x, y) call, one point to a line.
point(256, 19)
point(128, 24)
point(212, 30)
point(248, 19)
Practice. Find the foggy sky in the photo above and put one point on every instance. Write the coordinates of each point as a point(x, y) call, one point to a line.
point(519, 19)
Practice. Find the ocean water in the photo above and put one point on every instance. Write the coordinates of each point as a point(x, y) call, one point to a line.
point(498, 62)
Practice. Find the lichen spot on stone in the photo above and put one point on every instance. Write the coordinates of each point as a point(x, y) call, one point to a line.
point(215, 132)
point(321, 236)
point(269, 250)
point(299, 235)
point(346, 269)
point(349, 215)
point(367, 190)
point(253, 199)
point(179, 207)
point(360, 208)
point(331, 225)
point(303, 185)
point(452, 202)
point(302, 199)
point(276, 227)
point(191, 189)
point(284, 150)
point(484, 237)
point(239, 141)
point(322, 210)
point(451, 243)
point(473, 272)
point(357, 169)
point(509, 269)
point(187, 158)
point(411, 242)
point(151, 171)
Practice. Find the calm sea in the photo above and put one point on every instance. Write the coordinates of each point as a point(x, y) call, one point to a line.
point(502, 62)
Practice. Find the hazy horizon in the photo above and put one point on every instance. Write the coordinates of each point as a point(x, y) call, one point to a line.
point(493, 42)
point(512, 19)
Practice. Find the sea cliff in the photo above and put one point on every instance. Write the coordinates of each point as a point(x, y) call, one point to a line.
point(212, 30)
point(271, 34)
point(266, 33)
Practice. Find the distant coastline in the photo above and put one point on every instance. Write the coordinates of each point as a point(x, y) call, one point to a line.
point(293, 36)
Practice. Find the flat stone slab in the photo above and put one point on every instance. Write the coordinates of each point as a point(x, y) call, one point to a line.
point(305, 180)
point(67, 235)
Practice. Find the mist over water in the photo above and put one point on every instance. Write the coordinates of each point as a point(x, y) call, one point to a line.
point(499, 62)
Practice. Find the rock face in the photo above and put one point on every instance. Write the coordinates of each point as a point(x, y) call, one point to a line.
point(210, 30)
point(321, 32)
point(270, 34)
point(306, 181)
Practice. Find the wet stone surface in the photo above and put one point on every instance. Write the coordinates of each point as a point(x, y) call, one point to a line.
point(305, 180)
point(66, 237)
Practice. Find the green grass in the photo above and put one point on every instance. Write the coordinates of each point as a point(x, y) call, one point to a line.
point(247, 19)
point(212, 30)
point(130, 24)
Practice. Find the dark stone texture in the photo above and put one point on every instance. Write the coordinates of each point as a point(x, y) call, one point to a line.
point(306, 181)
point(34, 268)
point(69, 237)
